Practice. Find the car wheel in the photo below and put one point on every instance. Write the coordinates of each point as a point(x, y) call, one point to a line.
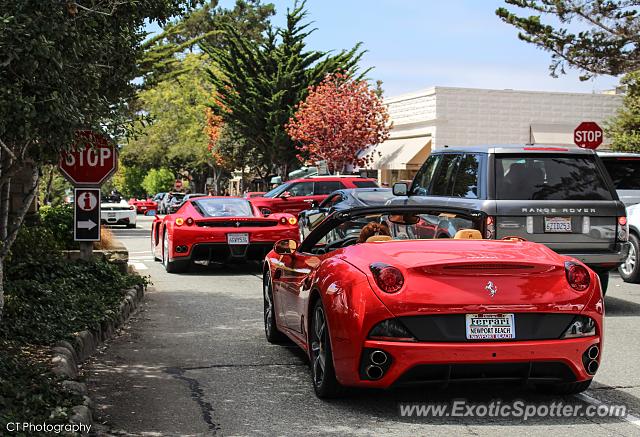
point(153, 247)
point(567, 388)
point(630, 269)
point(604, 280)
point(323, 373)
point(171, 266)
point(270, 328)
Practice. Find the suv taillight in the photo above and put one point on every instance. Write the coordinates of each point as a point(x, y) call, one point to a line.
point(490, 228)
point(623, 229)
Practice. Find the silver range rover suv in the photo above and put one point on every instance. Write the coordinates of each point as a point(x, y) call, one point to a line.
point(557, 196)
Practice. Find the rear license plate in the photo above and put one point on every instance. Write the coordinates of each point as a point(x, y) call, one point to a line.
point(111, 215)
point(238, 238)
point(557, 224)
point(490, 326)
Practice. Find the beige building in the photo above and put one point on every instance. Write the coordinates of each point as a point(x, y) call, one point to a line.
point(428, 119)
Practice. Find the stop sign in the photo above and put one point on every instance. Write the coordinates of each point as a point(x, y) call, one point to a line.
point(90, 161)
point(588, 135)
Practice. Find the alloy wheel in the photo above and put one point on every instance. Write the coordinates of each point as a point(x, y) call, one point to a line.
point(165, 249)
point(630, 263)
point(268, 305)
point(319, 346)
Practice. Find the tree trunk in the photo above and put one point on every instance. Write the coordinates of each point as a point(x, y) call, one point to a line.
point(47, 194)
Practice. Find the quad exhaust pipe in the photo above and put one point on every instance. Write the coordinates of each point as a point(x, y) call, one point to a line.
point(378, 357)
point(592, 367)
point(593, 352)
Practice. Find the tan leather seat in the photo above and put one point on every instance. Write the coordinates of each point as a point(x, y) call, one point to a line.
point(468, 234)
point(378, 238)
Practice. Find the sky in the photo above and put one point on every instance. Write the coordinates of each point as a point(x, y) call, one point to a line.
point(417, 44)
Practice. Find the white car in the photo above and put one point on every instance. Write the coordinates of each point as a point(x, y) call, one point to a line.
point(118, 214)
point(630, 269)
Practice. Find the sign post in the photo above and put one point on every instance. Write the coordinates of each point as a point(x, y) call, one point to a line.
point(90, 162)
point(588, 135)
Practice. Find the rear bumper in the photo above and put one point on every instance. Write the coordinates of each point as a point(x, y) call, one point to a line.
point(528, 361)
point(607, 260)
point(221, 252)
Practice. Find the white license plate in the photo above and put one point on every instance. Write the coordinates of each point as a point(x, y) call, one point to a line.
point(111, 215)
point(238, 238)
point(557, 224)
point(490, 326)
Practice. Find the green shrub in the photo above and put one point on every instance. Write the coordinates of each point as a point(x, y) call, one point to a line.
point(29, 391)
point(59, 220)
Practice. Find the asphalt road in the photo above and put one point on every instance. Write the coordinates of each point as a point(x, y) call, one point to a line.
point(194, 361)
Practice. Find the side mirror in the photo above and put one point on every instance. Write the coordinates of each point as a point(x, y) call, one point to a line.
point(400, 189)
point(285, 195)
point(285, 247)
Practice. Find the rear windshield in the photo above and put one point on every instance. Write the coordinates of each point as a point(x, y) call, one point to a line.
point(228, 207)
point(549, 177)
point(374, 197)
point(625, 172)
point(365, 184)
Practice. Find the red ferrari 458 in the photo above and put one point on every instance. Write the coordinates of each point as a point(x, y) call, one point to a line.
point(217, 229)
point(374, 305)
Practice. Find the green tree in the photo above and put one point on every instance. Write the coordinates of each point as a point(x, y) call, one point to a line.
point(260, 85)
point(158, 180)
point(624, 128)
point(128, 181)
point(64, 67)
point(175, 137)
point(596, 37)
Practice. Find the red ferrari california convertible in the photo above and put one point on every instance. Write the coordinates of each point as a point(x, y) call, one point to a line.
point(373, 305)
point(217, 229)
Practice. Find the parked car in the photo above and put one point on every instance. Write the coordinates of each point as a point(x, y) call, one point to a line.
point(339, 201)
point(298, 194)
point(624, 170)
point(168, 199)
point(144, 206)
point(630, 269)
point(120, 213)
point(217, 229)
point(378, 311)
point(557, 196)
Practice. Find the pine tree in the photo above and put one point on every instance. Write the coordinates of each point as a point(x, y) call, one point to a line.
point(624, 128)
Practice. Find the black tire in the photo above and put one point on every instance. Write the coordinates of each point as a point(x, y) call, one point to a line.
point(630, 269)
point(604, 280)
point(270, 328)
point(323, 374)
point(567, 388)
point(153, 247)
point(172, 266)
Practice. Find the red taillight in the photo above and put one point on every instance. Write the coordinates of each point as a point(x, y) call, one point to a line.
point(577, 276)
point(283, 220)
point(388, 278)
point(622, 221)
point(293, 220)
point(132, 207)
point(179, 221)
point(189, 221)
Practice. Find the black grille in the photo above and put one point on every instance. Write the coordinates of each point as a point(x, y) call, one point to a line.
point(237, 224)
point(452, 327)
point(534, 371)
point(221, 252)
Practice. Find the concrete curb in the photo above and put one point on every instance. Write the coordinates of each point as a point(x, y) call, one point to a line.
point(67, 356)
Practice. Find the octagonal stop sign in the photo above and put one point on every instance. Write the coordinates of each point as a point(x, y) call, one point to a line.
point(588, 135)
point(90, 161)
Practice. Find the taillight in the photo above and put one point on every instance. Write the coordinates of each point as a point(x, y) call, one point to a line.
point(293, 220)
point(189, 221)
point(490, 228)
point(132, 207)
point(623, 229)
point(283, 220)
point(179, 221)
point(388, 278)
point(577, 276)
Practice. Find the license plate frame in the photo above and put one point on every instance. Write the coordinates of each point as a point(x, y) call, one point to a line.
point(558, 225)
point(239, 238)
point(490, 326)
point(111, 215)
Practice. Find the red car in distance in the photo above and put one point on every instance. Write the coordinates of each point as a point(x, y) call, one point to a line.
point(377, 310)
point(144, 206)
point(300, 194)
point(217, 229)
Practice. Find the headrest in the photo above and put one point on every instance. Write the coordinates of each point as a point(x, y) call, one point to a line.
point(468, 234)
point(375, 238)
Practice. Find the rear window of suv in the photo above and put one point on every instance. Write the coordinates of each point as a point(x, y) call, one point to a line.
point(549, 177)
